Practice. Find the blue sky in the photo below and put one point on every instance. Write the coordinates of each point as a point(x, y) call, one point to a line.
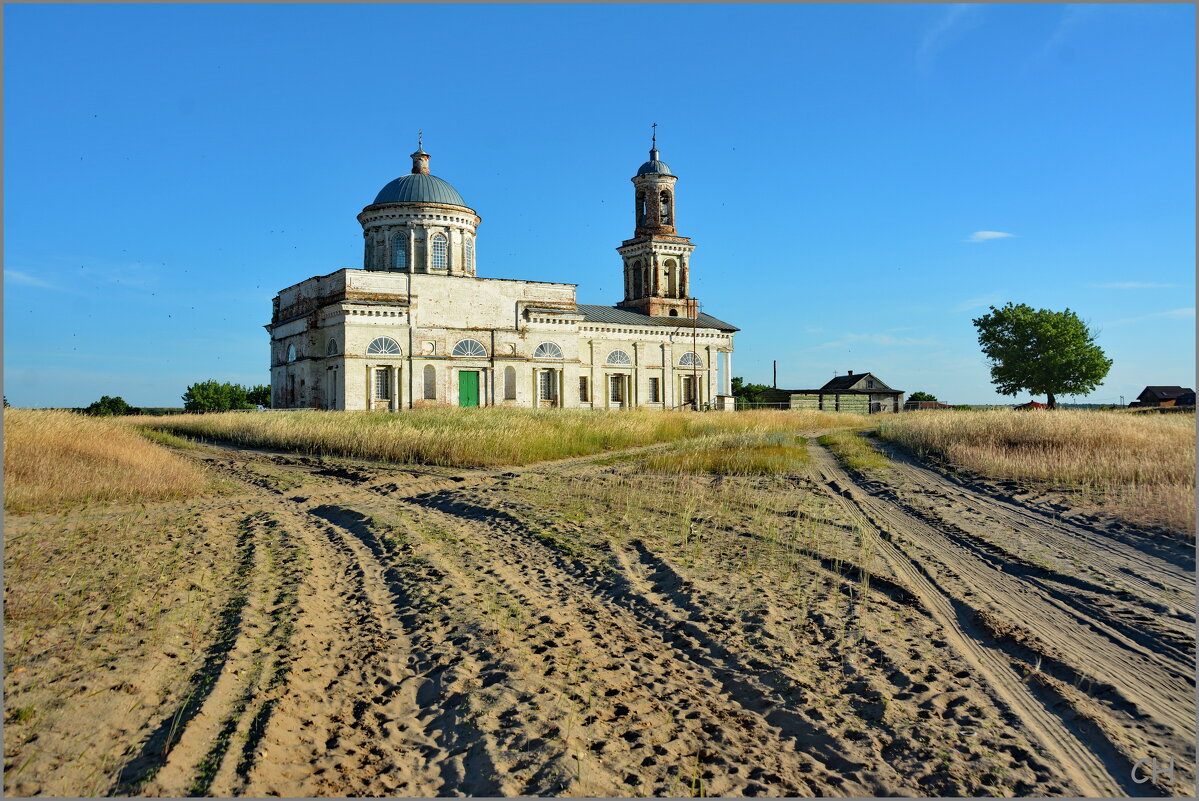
point(169, 168)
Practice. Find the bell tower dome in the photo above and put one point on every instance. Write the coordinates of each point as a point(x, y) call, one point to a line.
point(656, 259)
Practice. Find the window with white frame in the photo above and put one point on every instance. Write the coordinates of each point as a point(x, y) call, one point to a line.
point(583, 396)
point(470, 255)
point(509, 383)
point(655, 390)
point(399, 252)
point(331, 348)
point(382, 384)
point(469, 348)
point(619, 357)
point(547, 382)
point(689, 359)
point(383, 346)
point(547, 350)
point(440, 246)
point(430, 382)
point(688, 389)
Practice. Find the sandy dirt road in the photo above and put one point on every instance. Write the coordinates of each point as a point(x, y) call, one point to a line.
point(582, 628)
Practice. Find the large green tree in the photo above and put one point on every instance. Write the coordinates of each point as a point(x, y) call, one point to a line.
point(922, 396)
point(1044, 352)
point(108, 406)
point(259, 395)
point(214, 396)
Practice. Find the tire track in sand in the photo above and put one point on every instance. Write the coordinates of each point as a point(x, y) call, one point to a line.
point(1091, 774)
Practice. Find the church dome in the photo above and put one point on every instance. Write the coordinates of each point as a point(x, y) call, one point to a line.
point(419, 188)
point(654, 166)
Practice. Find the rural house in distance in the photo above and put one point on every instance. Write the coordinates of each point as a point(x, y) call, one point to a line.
point(863, 393)
point(417, 327)
point(1165, 396)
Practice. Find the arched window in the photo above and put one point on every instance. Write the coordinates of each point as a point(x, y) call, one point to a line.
point(440, 243)
point(638, 281)
point(331, 348)
point(383, 346)
point(640, 208)
point(509, 383)
point(672, 278)
point(469, 348)
point(547, 350)
point(291, 353)
point(664, 206)
point(430, 382)
point(399, 252)
point(689, 359)
point(619, 357)
point(470, 255)
point(674, 312)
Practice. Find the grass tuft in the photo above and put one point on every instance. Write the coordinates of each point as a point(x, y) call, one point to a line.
point(854, 451)
point(744, 456)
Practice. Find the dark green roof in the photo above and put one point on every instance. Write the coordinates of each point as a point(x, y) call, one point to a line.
point(419, 188)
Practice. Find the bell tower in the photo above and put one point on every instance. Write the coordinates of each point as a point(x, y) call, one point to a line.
point(656, 259)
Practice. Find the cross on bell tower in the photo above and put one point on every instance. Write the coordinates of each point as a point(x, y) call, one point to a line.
point(656, 259)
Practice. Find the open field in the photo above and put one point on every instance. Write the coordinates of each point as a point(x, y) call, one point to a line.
point(56, 458)
point(476, 437)
point(1140, 467)
point(732, 612)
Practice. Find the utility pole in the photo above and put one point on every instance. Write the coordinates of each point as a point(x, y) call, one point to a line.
point(775, 381)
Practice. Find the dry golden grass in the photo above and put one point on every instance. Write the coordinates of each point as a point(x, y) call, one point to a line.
point(1139, 466)
point(480, 437)
point(54, 459)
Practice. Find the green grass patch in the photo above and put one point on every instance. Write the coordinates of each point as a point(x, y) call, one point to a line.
point(746, 456)
point(854, 451)
point(167, 438)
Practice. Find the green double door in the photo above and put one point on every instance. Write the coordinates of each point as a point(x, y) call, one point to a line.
point(468, 388)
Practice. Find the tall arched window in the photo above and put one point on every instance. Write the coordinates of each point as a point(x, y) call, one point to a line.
point(672, 278)
point(509, 383)
point(440, 244)
point(547, 350)
point(291, 353)
point(470, 255)
point(664, 205)
point(399, 252)
point(619, 357)
point(640, 208)
point(689, 359)
point(331, 348)
point(383, 346)
point(469, 348)
point(430, 382)
point(638, 279)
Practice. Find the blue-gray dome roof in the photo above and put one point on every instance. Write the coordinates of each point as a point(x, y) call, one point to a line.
point(419, 188)
point(654, 166)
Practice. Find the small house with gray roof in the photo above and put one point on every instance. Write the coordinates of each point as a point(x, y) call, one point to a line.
point(863, 393)
point(417, 326)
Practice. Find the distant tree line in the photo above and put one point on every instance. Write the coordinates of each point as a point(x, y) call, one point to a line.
point(205, 396)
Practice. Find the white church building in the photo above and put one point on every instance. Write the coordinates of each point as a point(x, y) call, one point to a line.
point(416, 327)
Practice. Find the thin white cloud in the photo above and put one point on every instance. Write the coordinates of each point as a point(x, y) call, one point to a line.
point(874, 339)
point(1132, 285)
point(954, 20)
point(1072, 14)
point(1172, 314)
point(987, 236)
point(18, 277)
point(981, 302)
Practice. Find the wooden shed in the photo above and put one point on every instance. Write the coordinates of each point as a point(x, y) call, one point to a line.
point(863, 393)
